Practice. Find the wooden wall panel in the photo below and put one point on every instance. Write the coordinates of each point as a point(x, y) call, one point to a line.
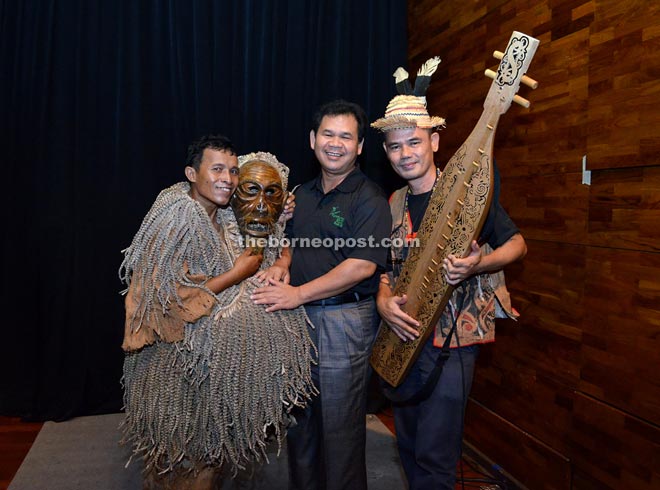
point(578, 345)
point(624, 208)
point(615, 448)
point(608, 448)
point(624, 84)
point(450, 30)
point(523, 450)
point(548, 206)
point(529, 374)
point(557, 107)
point(576, 381)
point(621, 331)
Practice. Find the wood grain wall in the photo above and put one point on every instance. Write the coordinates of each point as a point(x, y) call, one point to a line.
point(569, 396)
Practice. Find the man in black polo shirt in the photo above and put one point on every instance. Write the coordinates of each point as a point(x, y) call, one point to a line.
point(339, 224)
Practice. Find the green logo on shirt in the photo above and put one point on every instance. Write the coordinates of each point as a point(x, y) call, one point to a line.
point(336, 214)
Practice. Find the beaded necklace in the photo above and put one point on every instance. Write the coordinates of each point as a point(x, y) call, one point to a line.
point(413, 234)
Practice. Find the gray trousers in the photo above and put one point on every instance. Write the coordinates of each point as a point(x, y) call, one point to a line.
point(326, 448)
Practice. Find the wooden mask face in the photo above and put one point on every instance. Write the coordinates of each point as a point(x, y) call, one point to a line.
point(259, 199)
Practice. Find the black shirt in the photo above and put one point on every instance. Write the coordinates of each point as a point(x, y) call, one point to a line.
point(497, 229)
point(356, 211)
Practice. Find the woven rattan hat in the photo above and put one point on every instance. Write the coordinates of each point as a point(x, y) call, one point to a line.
point(408, 109)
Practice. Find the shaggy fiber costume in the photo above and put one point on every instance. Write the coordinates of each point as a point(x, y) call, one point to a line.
point(208, 379)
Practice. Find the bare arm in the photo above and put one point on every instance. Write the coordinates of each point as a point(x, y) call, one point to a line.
point(341, 278)
point(459, 269)
point(245, 266)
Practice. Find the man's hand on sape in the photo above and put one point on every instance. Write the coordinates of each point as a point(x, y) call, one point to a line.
point(457, 270)
point(402, 324)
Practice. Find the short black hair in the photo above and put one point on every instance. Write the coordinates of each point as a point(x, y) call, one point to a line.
point(217, 142)
point(341, 107)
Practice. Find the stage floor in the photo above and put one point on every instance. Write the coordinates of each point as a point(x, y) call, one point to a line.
point(83, 454)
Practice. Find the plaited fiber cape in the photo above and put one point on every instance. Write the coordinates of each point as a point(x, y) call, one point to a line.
point(207, 378)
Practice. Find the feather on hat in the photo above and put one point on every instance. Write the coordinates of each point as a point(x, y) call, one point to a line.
point(408, 109)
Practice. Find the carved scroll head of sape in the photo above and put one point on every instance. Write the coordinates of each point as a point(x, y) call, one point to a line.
point(260, 195)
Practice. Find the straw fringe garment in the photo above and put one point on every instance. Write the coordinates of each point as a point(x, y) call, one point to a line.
point(208, 379)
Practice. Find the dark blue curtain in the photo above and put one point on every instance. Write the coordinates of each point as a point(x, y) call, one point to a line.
point(98, 102)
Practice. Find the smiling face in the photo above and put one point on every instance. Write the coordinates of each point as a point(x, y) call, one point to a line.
point(214, 183)
point(336, 144)
point(410, 152)
point(259, 199)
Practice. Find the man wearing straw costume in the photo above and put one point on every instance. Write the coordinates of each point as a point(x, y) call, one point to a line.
point(429, 428)
point(209, 377)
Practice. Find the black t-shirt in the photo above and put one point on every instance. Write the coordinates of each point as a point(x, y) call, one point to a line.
point(356, 211)
point(497, 229)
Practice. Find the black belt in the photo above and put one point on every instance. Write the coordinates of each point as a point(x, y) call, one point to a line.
point(340, 299)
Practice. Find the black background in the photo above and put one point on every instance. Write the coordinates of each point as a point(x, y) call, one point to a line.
point(98, 102)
